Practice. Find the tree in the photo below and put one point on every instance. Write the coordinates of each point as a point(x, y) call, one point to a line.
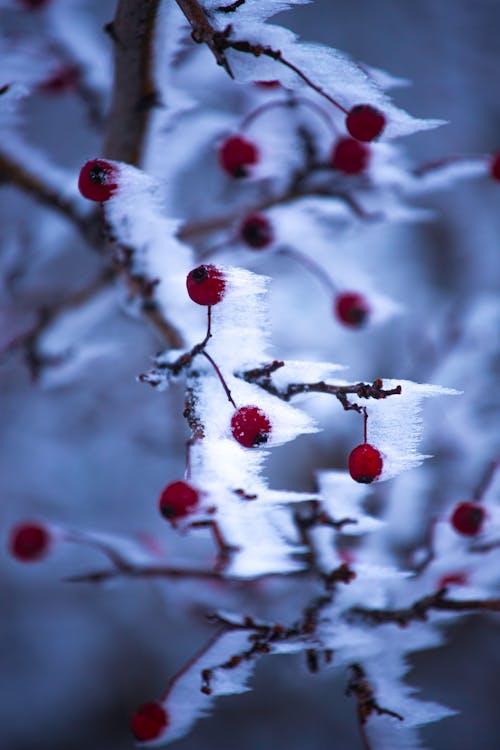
point(247, 186)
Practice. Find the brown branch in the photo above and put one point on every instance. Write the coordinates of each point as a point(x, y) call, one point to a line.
point(262, 377)
point(161, 571)
point(15, 173)
point(29, 340)
point(419, 610)
point(230, 8)
point(359, 686)
point(134, 89)
point(203, 32)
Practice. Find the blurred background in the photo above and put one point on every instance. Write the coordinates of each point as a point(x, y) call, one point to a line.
point(94, 451)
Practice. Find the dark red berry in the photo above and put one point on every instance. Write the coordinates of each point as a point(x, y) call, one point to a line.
point(365, 463)
point(29, 542)
point(206, 285)
point(250, 426)
point(364, 122)
point(467, 518)
point(452, 579)
point(495, 166)
point(351, 309)
point(62, 79)
point(149, 721)
point(237, 154)
point(98, 180)
point(273, 84)
point(350, 156)
point(178, 500)
point(256, 231)
point(33, 4)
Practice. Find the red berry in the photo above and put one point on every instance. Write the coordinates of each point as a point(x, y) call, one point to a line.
point(365, 463)
point(149, 721)
point(98, 180)
point(351, 309)
point(467, 518)
point(452, 579)
point(250, 426)
point(364, 122)
point(29, 542)
point(273, 84)
point(350, 156)
point(62, 79)
point(178, 500)
point(206, 285)
point(495, 166)
point(236, 155)
point(33, 4)
point(256, 231)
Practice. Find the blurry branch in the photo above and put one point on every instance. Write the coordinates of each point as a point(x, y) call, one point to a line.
point(134, 90)
point(360, 687)
point(203, 32)
point(15, 173)
point(162, 571)
point(261, 376)
point(29, 341)
point(206, 226)
point(419, 610)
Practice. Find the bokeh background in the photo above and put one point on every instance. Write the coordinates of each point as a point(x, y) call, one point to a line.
point(75, 660)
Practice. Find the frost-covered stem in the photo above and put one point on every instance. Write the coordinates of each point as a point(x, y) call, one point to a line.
point(134, 90)
point(12, 171)
point(163, 571)
point(203, 32)
point(419, 610)
point(29, 340)
point(359, 686)
point(221, 378)
point(485, 481)
point(261, 376)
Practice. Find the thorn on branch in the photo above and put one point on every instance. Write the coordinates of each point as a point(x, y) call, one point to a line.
point(231, 8)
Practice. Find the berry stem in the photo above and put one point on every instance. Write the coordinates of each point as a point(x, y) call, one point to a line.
point(220, 376)
point(290, 102)
point(365, 424)
point(311, 266)
point(485, 481)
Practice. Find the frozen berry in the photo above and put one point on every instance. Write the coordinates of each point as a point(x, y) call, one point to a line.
point(365, 463)
point(452, 579)
point(61, 79)
point(272, 84)
point(250, 426)
point(495, 166)
point(206, 285)
point(467, 518)
point(98, 180)
point(178, 500)
point(149, 721)
point(351, 309)
point(29, 542)
point(237, 154)
point(364, 122)
point(350, 156)
point(256, 231)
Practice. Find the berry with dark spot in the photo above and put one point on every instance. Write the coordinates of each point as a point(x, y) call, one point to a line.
point(177, 500)
point(98, 180)
point(250, 426)
point(351, 309)
point(365, 463)
point(495, 166)
point(256, 231)
point(237, 155)
point(206, 285)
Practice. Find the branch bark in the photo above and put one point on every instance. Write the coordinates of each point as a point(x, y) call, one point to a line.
point(134, 90)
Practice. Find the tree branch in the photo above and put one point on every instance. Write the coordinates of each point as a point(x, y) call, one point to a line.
point(134, 90)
